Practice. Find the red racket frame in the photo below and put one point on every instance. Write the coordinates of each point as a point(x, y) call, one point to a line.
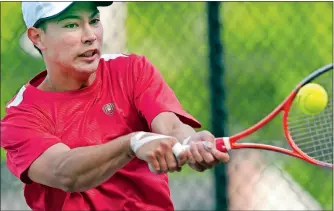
point(295, 152)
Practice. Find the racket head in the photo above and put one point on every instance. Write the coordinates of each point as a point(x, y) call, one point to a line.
point(311, 136)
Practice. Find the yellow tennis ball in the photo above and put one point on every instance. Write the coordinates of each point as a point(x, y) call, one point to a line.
point(312, 99)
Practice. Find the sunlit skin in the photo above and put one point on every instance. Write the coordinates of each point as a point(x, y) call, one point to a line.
point(63, 43)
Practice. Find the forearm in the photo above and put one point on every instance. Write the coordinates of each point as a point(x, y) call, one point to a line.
point(169, 124)
point(181, 132)
point(86, 167)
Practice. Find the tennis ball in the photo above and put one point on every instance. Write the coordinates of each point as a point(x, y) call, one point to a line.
point(312, 99)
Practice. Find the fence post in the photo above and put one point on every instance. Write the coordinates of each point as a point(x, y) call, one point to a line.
point(218, 111)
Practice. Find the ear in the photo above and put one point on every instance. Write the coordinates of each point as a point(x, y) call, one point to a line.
point(36, 37)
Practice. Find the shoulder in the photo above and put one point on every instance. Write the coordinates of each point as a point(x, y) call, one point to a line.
point(22, 104)
point(118, 58)
point(123, 60)
point(28, 95)
point(112, 57)
point(127, 65)
point(17, 99)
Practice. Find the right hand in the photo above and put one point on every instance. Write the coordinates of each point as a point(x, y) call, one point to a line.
point(158, 152)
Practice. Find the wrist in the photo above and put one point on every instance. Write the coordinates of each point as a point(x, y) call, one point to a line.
point(183, 134)
point(127, 142)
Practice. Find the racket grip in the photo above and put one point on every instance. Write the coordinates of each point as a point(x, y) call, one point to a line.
point(223, 144)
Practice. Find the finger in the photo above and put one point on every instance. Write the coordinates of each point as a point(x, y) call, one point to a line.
point(172, 164)
point(154, 163)
point(197, 155)
point(206, 154)
point(162, 161)
point(198, 167)
point(183, 157)
point(191, 160)
point(221, 156)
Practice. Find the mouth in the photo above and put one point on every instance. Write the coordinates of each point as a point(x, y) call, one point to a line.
point(89, 53)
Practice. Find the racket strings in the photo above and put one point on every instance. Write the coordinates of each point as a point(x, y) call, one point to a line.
point(302, 118)
point(323, 121)
point(300, 128)
point(306, 142)
point(311, 149)
point(313, 134)
point(306, 135)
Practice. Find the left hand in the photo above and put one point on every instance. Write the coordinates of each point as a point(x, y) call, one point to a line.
point(204, 156)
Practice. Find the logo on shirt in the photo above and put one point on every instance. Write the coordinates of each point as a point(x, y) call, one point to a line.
point(108, 108)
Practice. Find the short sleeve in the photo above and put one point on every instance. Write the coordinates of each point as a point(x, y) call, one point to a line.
point(25, 135)
point(152, 95)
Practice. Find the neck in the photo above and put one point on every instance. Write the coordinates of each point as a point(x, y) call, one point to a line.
point(65, 82)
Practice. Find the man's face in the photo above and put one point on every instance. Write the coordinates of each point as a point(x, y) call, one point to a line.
point(73, 40)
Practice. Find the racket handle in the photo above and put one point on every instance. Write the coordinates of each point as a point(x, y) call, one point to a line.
point(223, 144)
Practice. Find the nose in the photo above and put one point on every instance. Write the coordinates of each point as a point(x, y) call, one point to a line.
point(88, 36)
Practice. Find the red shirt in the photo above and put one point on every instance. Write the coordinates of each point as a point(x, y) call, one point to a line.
point(127, 94)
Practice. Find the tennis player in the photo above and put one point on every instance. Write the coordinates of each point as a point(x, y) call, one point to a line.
point(80, 134)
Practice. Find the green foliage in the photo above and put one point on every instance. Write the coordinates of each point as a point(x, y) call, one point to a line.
point(268, 48)
point(177, 45)
point(17, 67)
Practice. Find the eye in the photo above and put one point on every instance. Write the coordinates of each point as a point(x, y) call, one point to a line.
point(71, 25)
point(95, 21)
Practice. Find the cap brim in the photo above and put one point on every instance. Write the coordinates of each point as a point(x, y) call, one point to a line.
point(103, 3)
point(97, 3)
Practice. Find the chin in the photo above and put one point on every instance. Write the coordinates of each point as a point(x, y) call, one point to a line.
point(88, 68)
point(86, 71)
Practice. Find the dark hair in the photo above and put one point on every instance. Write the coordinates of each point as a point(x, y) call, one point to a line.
point(40, 25)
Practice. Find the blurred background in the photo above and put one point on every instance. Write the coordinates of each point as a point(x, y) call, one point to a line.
point(267, 48)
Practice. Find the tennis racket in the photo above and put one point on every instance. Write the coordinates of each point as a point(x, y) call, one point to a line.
point(310, 137)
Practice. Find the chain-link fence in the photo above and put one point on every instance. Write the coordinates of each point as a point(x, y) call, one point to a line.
point(268, 48)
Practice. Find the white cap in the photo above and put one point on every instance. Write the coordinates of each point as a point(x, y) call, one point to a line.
point(33, 12)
